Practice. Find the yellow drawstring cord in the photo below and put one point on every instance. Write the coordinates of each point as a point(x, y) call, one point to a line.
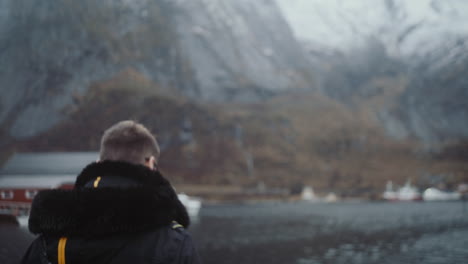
point(61, 250)
point(96, 182)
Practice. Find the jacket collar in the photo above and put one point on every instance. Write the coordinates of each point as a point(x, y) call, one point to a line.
point(102, 211)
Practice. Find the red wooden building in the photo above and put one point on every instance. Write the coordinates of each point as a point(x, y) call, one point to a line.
point(25, 174)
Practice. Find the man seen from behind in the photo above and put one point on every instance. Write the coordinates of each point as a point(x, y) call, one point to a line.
point(121, 209)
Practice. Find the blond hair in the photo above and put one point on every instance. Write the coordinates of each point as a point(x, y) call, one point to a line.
point(128, 141)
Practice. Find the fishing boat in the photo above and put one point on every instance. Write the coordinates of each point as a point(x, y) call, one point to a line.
point(308, 194)
point(405, 193)
point(389, 194)
point(434, 194)
point(192, 204)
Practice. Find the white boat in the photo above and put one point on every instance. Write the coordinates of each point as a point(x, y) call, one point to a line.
point(390, 194)
point(23, 220)
point(331, 198)
point(192, 204)
point(308, 194)
point(434, 194)
point(406, 193)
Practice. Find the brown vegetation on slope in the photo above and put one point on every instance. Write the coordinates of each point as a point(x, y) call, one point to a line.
point(310, 139)
point(286, 142)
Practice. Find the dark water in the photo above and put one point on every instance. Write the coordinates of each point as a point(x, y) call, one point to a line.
point(14, 241)
point(315, 233)
point(333, 233)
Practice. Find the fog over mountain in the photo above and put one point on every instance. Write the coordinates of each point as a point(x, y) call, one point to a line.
point(407, 28)
point(423, 41)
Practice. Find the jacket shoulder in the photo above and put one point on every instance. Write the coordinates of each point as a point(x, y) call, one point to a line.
point(169, 244)
point(35, 253)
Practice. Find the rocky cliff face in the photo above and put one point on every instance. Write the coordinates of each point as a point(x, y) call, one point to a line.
point(213, 50)
point(240, 50)
point(434, 103)
point(52, 51)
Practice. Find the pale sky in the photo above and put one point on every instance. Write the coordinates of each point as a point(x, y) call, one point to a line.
point(336, 23)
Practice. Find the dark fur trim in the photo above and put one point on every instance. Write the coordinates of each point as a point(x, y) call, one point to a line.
point(139, 173)
point(102, 211)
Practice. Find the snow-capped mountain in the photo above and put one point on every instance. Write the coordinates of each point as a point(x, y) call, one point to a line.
point(239, 50)
point(408, 28)
point(368, 44)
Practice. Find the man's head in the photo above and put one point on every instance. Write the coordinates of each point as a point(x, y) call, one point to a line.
point(131, 142)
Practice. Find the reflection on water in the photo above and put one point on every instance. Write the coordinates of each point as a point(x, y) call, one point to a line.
point(333, 233)
point(306, 233)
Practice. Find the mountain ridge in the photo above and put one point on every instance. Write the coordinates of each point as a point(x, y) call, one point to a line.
point(421, 41)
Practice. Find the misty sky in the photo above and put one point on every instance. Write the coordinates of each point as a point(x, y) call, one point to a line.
point(340, 23)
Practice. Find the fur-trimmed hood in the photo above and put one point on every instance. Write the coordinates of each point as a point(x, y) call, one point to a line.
point(142, 200)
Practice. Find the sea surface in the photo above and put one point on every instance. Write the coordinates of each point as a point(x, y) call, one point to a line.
point(303, 233)
point(347, 232)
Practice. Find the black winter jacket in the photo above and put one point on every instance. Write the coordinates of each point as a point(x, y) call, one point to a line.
point(117, 213)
